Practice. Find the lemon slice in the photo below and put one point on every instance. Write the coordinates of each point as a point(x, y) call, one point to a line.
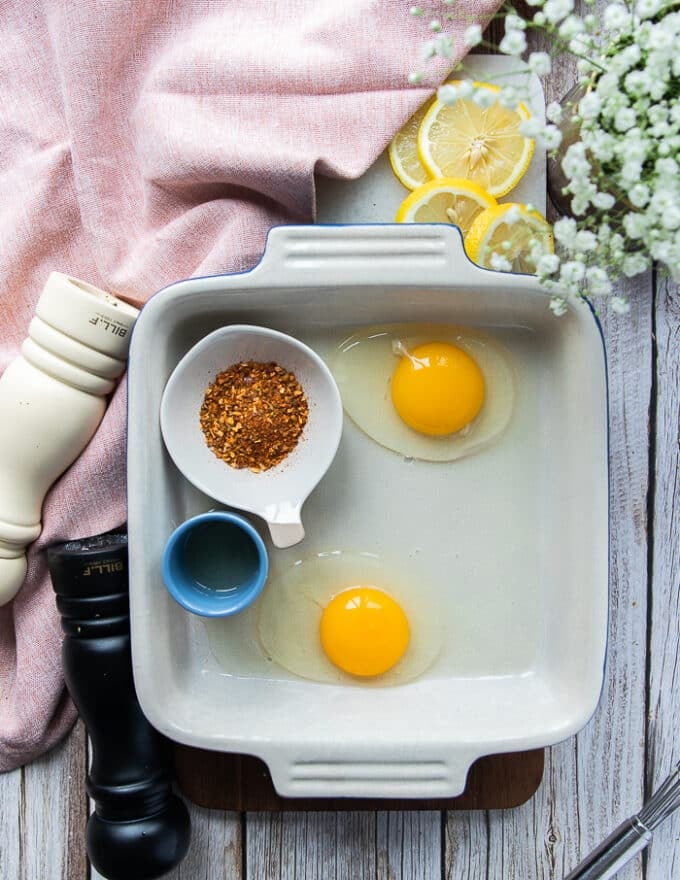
point(510, 232)
point(445, 200)
point(480, 144)
point(403, 151)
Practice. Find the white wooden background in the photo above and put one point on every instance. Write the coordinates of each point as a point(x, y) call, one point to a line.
point(591, 781)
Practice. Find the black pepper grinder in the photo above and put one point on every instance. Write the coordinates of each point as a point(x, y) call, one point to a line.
point(140, 829)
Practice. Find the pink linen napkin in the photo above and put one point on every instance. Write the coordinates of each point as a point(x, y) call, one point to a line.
point(141, 143)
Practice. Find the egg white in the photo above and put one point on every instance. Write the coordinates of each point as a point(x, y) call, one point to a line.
point(290, 609)
point(363, 364)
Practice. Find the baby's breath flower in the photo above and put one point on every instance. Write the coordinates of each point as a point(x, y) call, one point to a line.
point(625, 118)
point(539, 63)
point(661, 250)
point(603, 200)
point(634, 147)
point(514, 42)
point(616, 17)
point(570, 27)
point(601, 144)
point(597, 281)
point(579, 204)
point(635, 225)
point(638, 82)
point(550, 137)
point(435, 26)
point(660, 38)
point(558, 306)
point(671, 217)
point(428, 50)
point(415, 77)
point(607, 85)
point(500, 263)
point(668, 167)
point(416, 11)
point(631, 171)
point(620, 305)
point(473, 35)
point(557, 10)
point(589, 106)
point(581, 44)
point(547, 264)
point(575, 164)
point(536, 250)
point(585, 241)
point(553, 112)
point(444, 46)
point(513, 22)
point(483, 98)
point(449, 94)
point(466, 88)
point(639, 195)
point(565, 231)
point(530, 127)
point(633, 264)
point(586, 67)
point(648, 8)
point(509, 97)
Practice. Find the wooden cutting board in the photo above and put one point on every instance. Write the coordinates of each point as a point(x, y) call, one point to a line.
point(241, 782)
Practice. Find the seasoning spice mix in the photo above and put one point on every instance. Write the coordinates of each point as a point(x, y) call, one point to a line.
point(253, 415)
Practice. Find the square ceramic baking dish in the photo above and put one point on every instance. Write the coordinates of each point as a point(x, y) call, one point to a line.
point(518, 532)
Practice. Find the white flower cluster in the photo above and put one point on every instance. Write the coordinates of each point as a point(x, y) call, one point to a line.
point(623, 172)
point(623, 166)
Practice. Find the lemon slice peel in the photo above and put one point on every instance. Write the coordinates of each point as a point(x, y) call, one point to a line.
point(402, 151)
point(445, 200)
point(510, 238)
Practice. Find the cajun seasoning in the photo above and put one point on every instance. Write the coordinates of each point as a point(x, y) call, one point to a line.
point(253, 414)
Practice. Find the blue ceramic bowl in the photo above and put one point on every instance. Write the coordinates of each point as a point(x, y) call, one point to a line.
point(215, 564)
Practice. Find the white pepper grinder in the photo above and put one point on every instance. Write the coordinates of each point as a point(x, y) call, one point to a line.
point(52, 398)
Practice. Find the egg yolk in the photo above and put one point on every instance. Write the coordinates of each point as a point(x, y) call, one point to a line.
point(364, 631)
point(437, 389)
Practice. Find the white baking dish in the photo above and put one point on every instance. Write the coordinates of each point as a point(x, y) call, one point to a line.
point(518, 531)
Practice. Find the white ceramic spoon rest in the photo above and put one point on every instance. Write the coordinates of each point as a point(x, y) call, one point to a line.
point(276, 495)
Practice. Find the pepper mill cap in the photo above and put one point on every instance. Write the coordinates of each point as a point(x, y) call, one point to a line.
point(87, 314)
point(89, 567)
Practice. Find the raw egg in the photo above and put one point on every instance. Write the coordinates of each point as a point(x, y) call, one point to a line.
point(349, 618)
point(428, 391)
point(364, 631)
point(437, 388)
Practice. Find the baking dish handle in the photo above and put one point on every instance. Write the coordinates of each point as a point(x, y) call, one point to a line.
point(418, 253)
point(356, 776)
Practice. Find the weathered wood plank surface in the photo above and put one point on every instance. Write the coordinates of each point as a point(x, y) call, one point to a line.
point(344, 846)
point(12, 827)
point(44, 809)
point(663, 733)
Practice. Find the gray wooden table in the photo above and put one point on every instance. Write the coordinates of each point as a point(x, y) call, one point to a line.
point(591, 782)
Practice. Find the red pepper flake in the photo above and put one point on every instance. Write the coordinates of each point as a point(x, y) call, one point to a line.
point(253, 414)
